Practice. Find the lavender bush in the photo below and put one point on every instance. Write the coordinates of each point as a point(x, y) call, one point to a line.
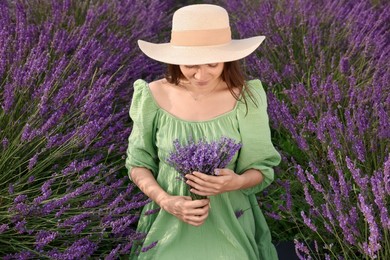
point(325, 67)
point(202, 156)
point(66, 70)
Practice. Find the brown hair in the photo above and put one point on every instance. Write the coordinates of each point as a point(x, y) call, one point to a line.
point(232, 74)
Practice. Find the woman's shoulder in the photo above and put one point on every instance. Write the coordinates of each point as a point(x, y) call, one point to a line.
point(159, 87)
point(157, 92)
point(142, 99)
point(254, 85)
point(155, 87)
point(256, 91)
point(162, 92)
point(141, 84)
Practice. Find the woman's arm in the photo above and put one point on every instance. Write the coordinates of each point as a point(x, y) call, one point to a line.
point(183, 207)
point(226, 180)
point(144, 179)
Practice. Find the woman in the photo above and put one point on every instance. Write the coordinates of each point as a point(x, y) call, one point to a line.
point(204, 96)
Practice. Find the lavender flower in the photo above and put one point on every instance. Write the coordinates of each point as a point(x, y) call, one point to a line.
point(81, 249)
point(202, 156)
point(273, 215)
point(43, 238)
point(31, 179)
point(344, 65)
point(308, 222)
point(380, 198)
point(301, 247)
point(373, 246)
point(3, 228)
point(20, 226)
point(113, 254)
point(5, 143)
point(361, 181)
point(152, 211)
point(308, 197)
point(75, 219)
point(239, 213)
point(11, 188)
point(23, 255)
point(147, 248)
point(46, 192)
point(79, 227)
point(120, 225)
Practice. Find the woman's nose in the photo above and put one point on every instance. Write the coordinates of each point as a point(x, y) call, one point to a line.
point(200, 73)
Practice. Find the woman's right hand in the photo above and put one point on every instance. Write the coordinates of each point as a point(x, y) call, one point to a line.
point(193, 212)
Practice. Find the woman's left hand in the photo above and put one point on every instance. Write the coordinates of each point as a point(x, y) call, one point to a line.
point(208, 185)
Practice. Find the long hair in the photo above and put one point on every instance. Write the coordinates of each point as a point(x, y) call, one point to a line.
point(232, 75)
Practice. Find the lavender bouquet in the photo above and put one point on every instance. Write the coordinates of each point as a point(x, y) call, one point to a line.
point(202, 156)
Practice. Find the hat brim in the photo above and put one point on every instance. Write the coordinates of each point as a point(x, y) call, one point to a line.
point(196, 55)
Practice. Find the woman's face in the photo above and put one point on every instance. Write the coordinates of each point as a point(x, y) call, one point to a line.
point(202, 75)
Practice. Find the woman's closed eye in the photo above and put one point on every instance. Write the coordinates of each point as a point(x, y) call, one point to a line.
point(212, 65)
point(190, 66)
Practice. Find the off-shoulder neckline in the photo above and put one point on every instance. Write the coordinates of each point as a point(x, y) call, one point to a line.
point(216, 118)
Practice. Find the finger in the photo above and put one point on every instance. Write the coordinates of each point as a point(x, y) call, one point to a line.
point(196, 177)
point(199, 212)
point(196, 219)
point(212, 179)
point(201, 176)
point(195, 223)
point(208, 181)
point(190, 206)
point(187, 198)
point(200, 203)
point(195, 211)
point(204, 193)
point(201, 187)
point(223, 172)
point(204, 183)
point(208, 186)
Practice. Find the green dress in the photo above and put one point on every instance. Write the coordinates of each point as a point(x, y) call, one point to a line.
point(235, 228)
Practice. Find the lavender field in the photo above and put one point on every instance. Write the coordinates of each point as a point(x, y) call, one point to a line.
point(66, 74)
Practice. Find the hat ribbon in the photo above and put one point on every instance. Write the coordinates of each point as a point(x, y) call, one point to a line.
point(201, 37)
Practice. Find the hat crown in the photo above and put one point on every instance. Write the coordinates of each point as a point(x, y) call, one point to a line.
point(200, 17)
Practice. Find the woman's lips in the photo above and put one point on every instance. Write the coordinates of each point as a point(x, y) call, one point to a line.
point(202, 83)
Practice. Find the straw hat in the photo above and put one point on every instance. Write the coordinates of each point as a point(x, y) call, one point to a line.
point(200, 35)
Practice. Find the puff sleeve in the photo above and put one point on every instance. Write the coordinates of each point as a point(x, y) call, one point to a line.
point(141, 150)
point(257, 151)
